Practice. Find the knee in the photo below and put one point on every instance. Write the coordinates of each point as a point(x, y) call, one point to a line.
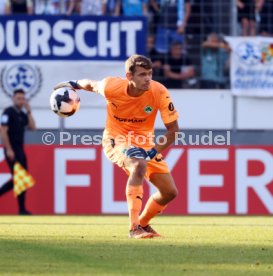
point(139, 168)
point(169, 195)
point(173, 193)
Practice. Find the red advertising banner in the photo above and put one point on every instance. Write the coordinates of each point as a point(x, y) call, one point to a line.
point(233, 180)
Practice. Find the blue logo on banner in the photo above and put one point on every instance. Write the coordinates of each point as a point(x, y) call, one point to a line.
point(21, 76)
point(249, 53)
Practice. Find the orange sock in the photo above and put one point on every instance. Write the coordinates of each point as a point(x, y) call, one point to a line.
point(152, 208)
point(134, 200)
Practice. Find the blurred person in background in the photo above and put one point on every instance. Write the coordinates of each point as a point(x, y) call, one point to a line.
point(132, 7)
point(172, 21)
point(74, 7)
point(201, 19)
point(247, 15)
point(214, 62)
point(93, 7)
point(48, 7)
point(13, 123)
point(84, 7)
point(178, 69)
point(57, 7)
point(156, 58)
point(112, 7)
point(54, 7)
point(153, 11)
point(19, 7)
point(3, 7)
point(266, 25)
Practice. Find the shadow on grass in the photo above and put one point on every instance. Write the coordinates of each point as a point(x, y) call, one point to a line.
point(145, 257)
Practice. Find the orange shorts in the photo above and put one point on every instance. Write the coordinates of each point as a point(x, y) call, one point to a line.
point(116, 154)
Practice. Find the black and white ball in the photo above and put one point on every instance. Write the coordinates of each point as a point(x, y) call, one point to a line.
point(64, 101)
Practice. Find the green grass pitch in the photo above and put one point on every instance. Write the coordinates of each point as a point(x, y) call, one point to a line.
point(98, 245)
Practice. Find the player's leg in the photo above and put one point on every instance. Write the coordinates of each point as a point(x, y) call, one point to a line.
point(252, 28)
point(165, 184)
point(245, 26)
point(6, 187)
point(136, 170)
point(134, 195)
point(134, 188)
point(21, 158)
point(167, 191)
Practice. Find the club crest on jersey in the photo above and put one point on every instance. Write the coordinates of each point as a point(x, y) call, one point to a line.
point(148, 109)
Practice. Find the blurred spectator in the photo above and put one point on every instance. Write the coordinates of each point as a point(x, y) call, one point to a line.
point(172, 21)
point(247, 14)
point(153, 15)
point(266, 25)
point(93, 7)
point(112, 7)
point(73, 7)
point(19, 7)
point(3, 7)
point(156, 58)
point(178, 69)
point(42, 7)
point(51, 7)
point(132, 7)
point(201, 21)
point(215, 63)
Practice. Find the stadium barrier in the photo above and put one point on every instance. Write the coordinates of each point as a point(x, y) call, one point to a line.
point(212, 180)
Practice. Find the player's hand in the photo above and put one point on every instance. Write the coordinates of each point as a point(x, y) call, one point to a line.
point(27, 106)
point(181, 29)
point(10, 154)
point(73, 84)
point(240, 5)
point(140, 153)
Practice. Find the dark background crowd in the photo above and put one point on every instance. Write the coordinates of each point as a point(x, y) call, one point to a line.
point(185, 37)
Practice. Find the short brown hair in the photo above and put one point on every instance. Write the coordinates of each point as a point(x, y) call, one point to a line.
point(19, 91)
point(137, 60)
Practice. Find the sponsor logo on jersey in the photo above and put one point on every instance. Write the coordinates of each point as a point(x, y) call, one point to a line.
point(171, 106)
point(129, 120)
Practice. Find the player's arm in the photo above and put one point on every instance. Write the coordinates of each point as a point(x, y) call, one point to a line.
point(84, 84)
point(6, 142)
point(169, 116)
point(186, 74)
point(164, 142)
point(31, 122)
point(169, 136)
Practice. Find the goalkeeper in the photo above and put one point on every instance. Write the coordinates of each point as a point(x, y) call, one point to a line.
point(132, 105)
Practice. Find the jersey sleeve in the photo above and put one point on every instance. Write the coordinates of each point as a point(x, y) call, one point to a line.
point(103, 87)
point(166, 107)
point(5, 118)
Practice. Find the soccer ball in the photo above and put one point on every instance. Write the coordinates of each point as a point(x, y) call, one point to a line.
point(64, 101)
